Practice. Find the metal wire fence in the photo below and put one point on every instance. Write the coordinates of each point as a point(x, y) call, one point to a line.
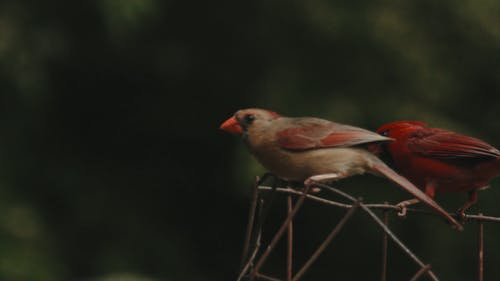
point(254, 256)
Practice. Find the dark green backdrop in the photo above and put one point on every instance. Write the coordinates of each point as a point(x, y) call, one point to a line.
point(112, 164)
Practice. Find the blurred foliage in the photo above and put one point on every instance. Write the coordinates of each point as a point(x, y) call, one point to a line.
point(112, 167)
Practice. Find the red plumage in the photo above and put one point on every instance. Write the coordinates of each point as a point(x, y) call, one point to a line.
point(316, 133)
point(441, 160)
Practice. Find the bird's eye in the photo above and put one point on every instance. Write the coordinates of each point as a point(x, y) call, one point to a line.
point(385, 133)
point(249, 118)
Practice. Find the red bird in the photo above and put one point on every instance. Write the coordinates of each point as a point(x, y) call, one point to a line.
point(440, 160)
point(312, 149)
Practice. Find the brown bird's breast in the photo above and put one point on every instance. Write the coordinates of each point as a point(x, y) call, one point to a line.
point(300, 165)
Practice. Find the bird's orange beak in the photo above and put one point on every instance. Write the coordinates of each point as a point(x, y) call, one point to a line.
point(231, 125)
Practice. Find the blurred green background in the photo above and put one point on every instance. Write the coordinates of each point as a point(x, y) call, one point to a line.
point(113, 167)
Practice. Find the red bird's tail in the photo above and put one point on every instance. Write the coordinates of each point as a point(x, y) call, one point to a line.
point(380, 168)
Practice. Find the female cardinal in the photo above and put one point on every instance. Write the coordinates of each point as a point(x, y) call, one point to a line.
point(440, 160)
point(315, 150)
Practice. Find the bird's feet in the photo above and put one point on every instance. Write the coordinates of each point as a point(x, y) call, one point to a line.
point(461, 216)
point(322, 178)
point(311, 181)
point(471, 200)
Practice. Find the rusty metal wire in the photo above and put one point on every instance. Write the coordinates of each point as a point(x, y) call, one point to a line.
point(251, 270)
point(421, 272)
point(478, 217)
point(327, 241)
point(289, 258)
point(480, 257)
point(385, 243)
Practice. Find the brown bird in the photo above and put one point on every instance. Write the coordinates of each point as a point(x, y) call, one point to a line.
point(315, 150)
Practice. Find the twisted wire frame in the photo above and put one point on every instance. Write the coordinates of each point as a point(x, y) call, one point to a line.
point(254, 256)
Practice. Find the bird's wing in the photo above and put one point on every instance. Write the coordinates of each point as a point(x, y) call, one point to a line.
point(314, 133)
point(443, 144)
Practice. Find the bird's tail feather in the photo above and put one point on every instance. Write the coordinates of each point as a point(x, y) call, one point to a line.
point(382, 169)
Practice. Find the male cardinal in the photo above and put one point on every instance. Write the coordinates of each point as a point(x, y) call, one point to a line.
point(315, 150)
point(440, 160)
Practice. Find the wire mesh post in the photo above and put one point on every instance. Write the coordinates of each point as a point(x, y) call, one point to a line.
point(253, 273)
point(265, 277)
point(289, 258)
point(481, 250)
point(256, 246)
point(327, 241)
point(384, 247)
point(384, 227)
point(251, 219)
point(278, 234)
